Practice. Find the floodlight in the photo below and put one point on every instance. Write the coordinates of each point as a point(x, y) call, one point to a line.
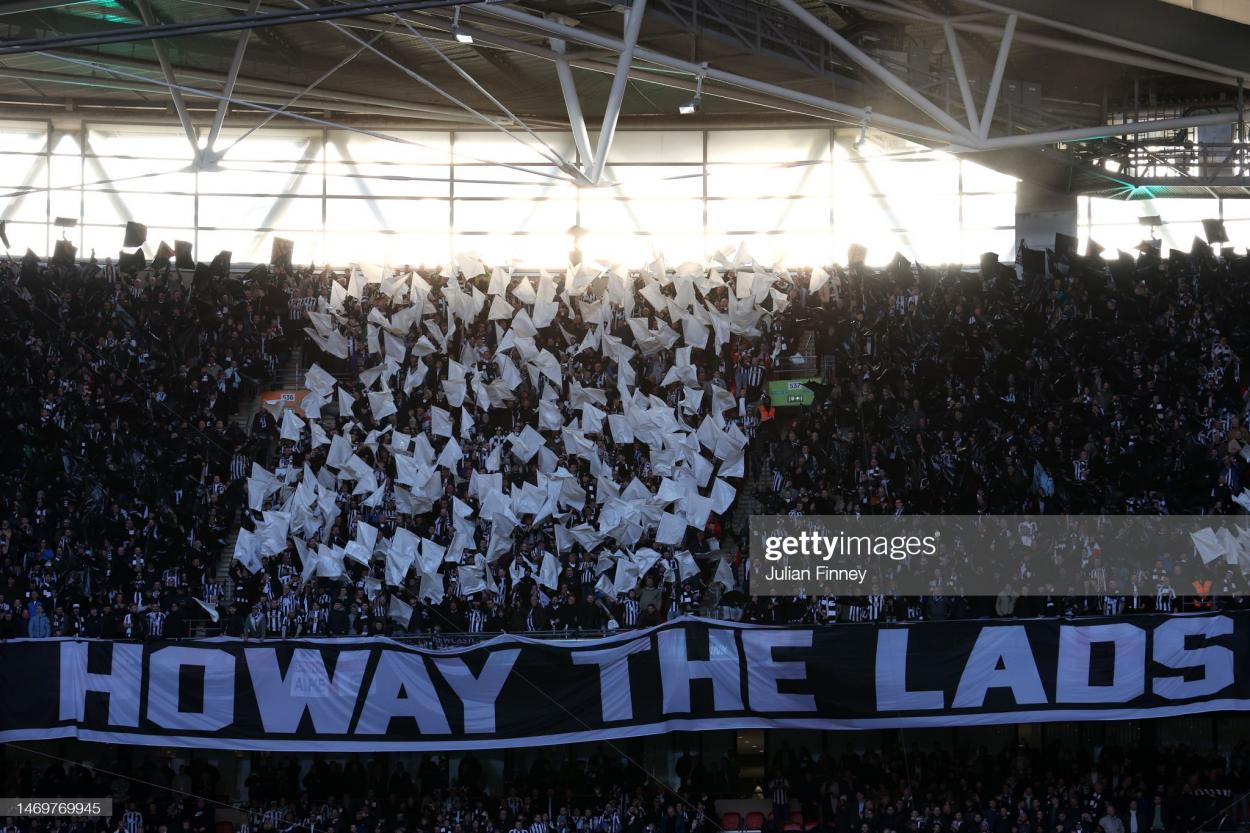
point(462, 37)
point(692, 106)
point(863, 130)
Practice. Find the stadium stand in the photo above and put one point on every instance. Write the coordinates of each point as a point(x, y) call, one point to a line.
point(1112, 388)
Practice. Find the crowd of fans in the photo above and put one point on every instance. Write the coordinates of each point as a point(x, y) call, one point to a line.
point(1083, 388)
point(1147, 789)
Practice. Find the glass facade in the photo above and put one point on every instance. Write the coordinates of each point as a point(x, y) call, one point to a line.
point(798, 197)
point(1114, 223)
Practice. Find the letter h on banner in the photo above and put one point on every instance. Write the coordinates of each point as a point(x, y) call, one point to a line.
point(122, 684)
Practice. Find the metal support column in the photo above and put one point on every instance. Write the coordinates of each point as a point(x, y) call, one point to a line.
point(616, 96)
point(184, 117)
point(232, 76)
point(875, 69)
point(996, 80)
point(577, 122)
point(965, 89)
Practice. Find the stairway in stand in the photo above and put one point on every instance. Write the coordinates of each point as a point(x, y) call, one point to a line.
point(288, 377)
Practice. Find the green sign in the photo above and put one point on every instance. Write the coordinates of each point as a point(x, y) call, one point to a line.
point(787, 392)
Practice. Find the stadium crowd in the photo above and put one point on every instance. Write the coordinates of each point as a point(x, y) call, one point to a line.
point(1146, 789)
point(1084, 387)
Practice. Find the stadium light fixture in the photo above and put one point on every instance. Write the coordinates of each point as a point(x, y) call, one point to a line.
point(863, 130)
point(461, 36)
point(692, 106)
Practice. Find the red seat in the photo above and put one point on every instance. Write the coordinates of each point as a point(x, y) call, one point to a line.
point(755, 820)
point(731, 821)
point(796, 822)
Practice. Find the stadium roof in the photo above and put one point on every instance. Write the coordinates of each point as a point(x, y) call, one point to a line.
point(925, 69)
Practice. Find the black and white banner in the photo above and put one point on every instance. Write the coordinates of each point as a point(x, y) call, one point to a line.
point(691, 674)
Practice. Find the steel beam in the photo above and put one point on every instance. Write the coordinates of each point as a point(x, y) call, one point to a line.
point(325, 98)
point(961, 76)
point(145, 9)
point(146, 86)
point(286, 106)
point(760, 94)
point(577, 122)
point(552, 153)
point(284, 17)
point(969, 23)
point(996, 80)
point(19, 6)
point(849, 113)
point(296, 116)
point(1102, 53)
point(616, 95)
point(232, 76)
point(1111, 39)
point(1084, 134)
point(875, 69)
point(555, 159)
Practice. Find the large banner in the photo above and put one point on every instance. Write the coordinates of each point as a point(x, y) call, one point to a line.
point(690, 674)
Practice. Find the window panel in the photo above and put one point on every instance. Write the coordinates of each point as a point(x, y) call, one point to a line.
point(1114, 236)
point(494, 146)
point(980, 179)
point(978, 241)
point(515, 216)
point(138, 142)
point(545, 250)
point(1180, 235)
point(626, 216)
point(773, 189)
point(417, 147)
point(1238, 233)
point(390, 215)
point(166, 233)
point(32, 207)
point(19, 171)
point(65, 143)
point(25, 235)
point(647, 181)
point(271, 145)
point(416, 249)
point(776, 180)
point(1103, 211)
point(106, 173)
point(1235, 210)
point(24, 136)
point(988, 210)
point(62, 204)
point(900, 178)
point(245, 213)
point(263, 178)
point(653, 146)
point(256, 247)
point(497, 181)
point(767, 215)
point(377, 180)
point(109, 207)
point(767, 145)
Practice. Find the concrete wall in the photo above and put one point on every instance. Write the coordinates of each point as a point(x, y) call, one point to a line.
point(1041, 213)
